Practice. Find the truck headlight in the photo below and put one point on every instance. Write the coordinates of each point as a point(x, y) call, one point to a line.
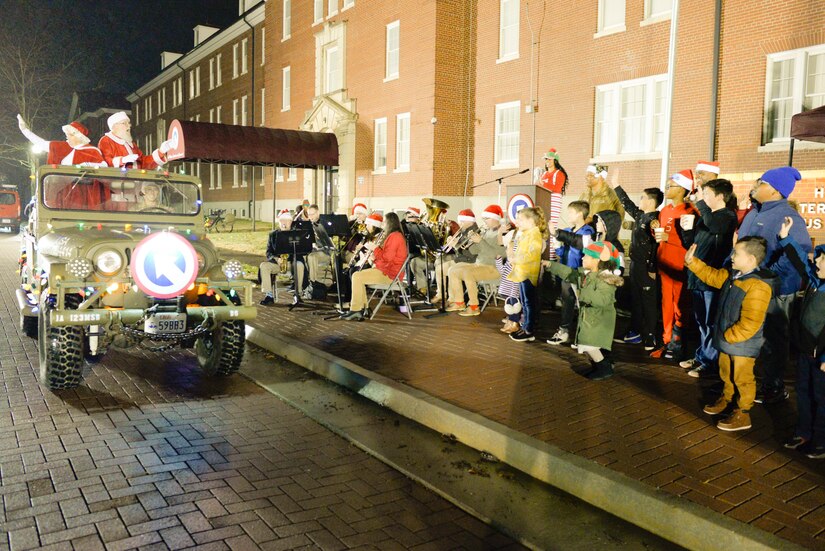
point(108, 263)
point(201, 261)
point(80, 267)
point(232, 269)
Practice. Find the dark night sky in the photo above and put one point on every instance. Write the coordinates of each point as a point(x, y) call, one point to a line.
point(120, 40)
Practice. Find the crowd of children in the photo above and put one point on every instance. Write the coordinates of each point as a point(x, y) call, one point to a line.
point(739, 273)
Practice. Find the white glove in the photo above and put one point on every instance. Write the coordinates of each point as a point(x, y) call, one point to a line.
point(129, 158)
point(165, 147)
point(21, 123)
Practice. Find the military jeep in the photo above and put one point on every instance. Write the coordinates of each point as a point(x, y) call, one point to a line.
point(119, 258)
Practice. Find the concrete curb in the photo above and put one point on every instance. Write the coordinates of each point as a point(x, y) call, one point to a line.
point(678, 520)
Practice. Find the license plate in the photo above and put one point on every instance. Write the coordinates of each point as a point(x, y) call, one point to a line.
point(165, 323)
point(7, 220)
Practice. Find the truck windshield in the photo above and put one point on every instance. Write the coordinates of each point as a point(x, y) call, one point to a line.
point(88, 193)
point(7, 198)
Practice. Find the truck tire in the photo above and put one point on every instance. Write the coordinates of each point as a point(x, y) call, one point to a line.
point(60, 348)
point(221, 351)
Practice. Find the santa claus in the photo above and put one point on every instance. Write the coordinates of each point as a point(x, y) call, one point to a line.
point(74, 151)
point(119, 149)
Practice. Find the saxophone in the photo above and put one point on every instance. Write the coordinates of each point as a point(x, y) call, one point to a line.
point(283, 263)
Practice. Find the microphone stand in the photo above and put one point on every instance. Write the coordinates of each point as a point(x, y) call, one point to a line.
point(499, 180)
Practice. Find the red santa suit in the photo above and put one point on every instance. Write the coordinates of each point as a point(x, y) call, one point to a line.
point(61, 153)
point(114, 149)
point(671, 265)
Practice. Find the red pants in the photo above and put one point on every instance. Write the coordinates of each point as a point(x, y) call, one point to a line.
point(671, 306)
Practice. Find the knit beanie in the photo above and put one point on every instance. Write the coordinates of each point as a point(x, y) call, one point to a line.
point(782, 179)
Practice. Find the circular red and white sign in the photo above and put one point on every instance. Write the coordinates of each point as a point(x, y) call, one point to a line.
point(164, 265)
point(517, 202)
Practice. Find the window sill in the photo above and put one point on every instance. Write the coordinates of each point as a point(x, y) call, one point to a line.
point(504, 166)
point(379, 171)
point(318, 22)
point(285, 109)
point(401, 170)
point(332, 14)
point(608, 32)
point(654, 20)
point(622, 157)
point(391, 78)
point(784, 146)
point(505, 59)
point(345, 8)
point(284, 39)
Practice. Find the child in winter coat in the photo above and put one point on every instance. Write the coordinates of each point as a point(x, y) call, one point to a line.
point(809, 437)
point(526, 261)
point(597, 283)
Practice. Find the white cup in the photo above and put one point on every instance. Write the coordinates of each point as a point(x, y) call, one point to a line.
point(687, 221)
point(660, 234)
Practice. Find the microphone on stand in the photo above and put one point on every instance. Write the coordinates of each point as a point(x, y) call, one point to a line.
point(524, 171)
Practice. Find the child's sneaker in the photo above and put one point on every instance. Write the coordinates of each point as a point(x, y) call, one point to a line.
point(560, 337)
point(523, 336)
point(455, 307)
point(816, 452)
point(737, 420)
point(689, 364)
point(631, 337)
point(717, 407)
point(603, 370)
point(795, 443)
point(659, 352)
point(470, 311)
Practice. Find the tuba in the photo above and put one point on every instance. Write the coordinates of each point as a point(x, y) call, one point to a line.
point(435, 218)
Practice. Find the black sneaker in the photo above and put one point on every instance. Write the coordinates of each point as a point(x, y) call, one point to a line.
point(267, 301)
point(795, 443)
point(603, 370)
point(522, 336)
point(816, 452)
point(771, 396)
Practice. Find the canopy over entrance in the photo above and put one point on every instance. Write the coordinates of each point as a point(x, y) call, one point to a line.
point(250, 145)
point(808, 126)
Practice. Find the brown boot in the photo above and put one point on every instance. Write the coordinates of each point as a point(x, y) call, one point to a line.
point(737, 420)
point(717, 407)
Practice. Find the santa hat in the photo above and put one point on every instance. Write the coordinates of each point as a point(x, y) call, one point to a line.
point(684, 179)
point(78, 130)
point(284, 215)
point(414, 211)
point(708, 166)
point(595, 250)
point(550, 155)
point(494, 212)
point(598, 170)
point(782, 179)
point(466, 215)
point(359, 208)
point(375, 220)
point(120, 116)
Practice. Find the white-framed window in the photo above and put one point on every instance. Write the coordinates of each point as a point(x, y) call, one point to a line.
point(795, 83)
point(380, 148)
point(332, 8)
point(393, 50)
point(508, 132)
point(508, 33)
point(161, 101)
point(402, 142)
point(348, 4)
point(263, 106)
point(244, 176)
point(212, 73)
point(219, 176)
point(279, 174)
point(629, 116)
point(263, 48)
point(236, 170)
point(137, 112)
point(244, 49)
point(212, 175)
point(611, 17)
point(218, 70)
point(286, 84)
point(243, 110)
point(658, 9)
point(218, 114)
point(292, 174)
point(147, 108)
point(286, 25)
point(332, 68)
point(235, 116)
point(212, 115)
point(195, 82)
point(317, 11)
point(235, 65)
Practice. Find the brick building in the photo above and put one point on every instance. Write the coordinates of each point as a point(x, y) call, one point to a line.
point(431, 98)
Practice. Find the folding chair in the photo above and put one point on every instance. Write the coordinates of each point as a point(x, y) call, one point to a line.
point(397, 284)
point(490, 289)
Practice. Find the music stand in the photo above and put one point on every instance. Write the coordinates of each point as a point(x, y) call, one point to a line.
point(426, 242)
point(336, 225)
point(294, 242)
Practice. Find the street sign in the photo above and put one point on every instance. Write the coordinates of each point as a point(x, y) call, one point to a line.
point(164, 265)
point(517, 202)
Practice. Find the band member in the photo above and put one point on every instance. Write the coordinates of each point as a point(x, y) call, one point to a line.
point(362, 259)
point(359, 213)
point(119, 149)
point(389, 253)
point(319, 259)
point(74, 151)
point(357, 231)
point(486, 246)
point(455, 249)
point(413, 215)
point(276, 264)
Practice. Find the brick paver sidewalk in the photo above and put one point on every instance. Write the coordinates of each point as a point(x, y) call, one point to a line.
point(149, 453)
point(645, 422)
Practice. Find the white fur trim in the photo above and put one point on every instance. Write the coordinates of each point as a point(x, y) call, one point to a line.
point(708, 168)
point(494, 216)
point(284, 215)
point(373, 223)
point(116, 161)
point(156, 155)
point(462, 218)
point(682, 181)
point(120, 116)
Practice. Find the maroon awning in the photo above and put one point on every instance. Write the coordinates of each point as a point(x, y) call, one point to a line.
point(250, 145)
point(809, 126)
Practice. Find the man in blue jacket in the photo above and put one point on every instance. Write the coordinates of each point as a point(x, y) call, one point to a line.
point(765, 221)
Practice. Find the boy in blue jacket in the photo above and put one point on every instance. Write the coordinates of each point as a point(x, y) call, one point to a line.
point(809, 436)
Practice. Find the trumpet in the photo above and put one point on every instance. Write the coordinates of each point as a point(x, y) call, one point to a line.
point(283, 263)
point(458, 242)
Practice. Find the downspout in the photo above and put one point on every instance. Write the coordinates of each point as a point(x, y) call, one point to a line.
point(714, 91)
point(183, 87)
point(671, 70)
point(252, 209)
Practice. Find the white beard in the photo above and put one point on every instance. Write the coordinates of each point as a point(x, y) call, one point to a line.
point(125, 135)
